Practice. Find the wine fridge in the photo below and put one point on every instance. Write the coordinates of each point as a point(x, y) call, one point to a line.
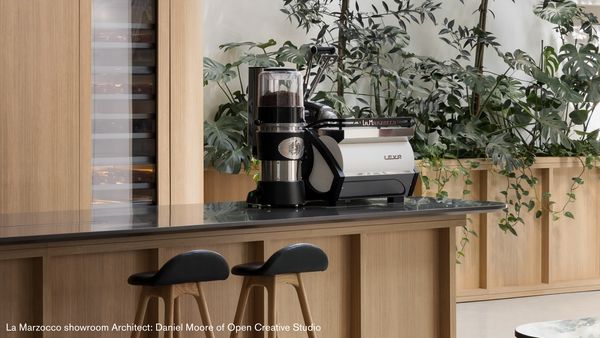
point(124, 104)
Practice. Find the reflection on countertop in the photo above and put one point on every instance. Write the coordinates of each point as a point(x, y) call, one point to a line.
point(139, 220)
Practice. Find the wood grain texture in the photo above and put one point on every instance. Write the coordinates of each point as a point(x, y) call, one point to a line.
point(401, 261)
point(401, 294)
point(21, 293)
point(575, 243)
point(447, 282)
point(39, 105)
point(163, 121)
point(186, 124)
point(220, 187)
point(85, 104)
point(468, 271)
point(92, 289)
point(512, 260)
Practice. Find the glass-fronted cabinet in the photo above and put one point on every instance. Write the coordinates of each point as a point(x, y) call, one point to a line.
point(124, 104)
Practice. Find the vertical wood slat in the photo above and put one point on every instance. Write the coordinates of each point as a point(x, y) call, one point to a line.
point(575, 242)
point(447, 283)
point(547, 181)
point(186, 100)
point(484, 237)
point(85, 104)
point(357, 269)
point(163, 121)
point(46, 296)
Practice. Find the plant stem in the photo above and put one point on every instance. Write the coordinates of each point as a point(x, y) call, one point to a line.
point(342, 24)
point(240, 78)
point(479, 51)
point(225, 92)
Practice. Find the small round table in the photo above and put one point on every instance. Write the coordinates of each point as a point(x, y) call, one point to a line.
point(576, 328)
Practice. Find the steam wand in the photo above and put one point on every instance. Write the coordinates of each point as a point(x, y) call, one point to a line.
point(326, 57)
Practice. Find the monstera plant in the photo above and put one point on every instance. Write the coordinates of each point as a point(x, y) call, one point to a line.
point(225, 136)
point(540, 105)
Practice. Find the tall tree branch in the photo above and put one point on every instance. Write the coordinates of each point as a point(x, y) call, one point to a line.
point(479, 52)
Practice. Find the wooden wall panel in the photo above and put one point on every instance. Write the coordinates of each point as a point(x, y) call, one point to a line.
point(92, 289)
point(512, 260)
point(39, 105)
point(187, 120)
point(401, 268)
point(85, 104)
point(334, 285)
point(575, 243)
point(468, 271)
point(21, 293)
point(163, 174)
point(219, 187)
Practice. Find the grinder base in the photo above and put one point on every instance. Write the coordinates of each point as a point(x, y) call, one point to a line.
point(277, 194)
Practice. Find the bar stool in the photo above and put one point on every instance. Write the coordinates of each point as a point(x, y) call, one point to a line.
point(181, 275)
point(283, 267)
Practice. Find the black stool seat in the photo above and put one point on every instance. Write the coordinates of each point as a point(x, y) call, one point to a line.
point(296, 258)
point(190, 267)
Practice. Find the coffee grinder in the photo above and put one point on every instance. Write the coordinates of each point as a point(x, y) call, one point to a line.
point(276, 116)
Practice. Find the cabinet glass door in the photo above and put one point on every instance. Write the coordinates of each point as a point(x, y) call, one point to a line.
point(124, 102)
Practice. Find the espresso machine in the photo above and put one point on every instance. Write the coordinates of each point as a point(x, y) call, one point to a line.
point(309, 154)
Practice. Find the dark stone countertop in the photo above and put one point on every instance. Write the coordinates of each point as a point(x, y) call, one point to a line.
point(114, 222)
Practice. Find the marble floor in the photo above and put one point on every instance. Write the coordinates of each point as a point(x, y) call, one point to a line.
point(498, 318)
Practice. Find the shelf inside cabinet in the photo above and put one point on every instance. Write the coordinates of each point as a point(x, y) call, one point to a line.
point(115, 45)
point(135, 70)
point(124, 25)
point(123, 96)
point(119, 186)
point(123, 136)
point(123, 160)
point(124, 102)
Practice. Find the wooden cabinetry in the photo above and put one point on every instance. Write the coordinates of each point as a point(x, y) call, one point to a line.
point(39, 105)
point(46, 92)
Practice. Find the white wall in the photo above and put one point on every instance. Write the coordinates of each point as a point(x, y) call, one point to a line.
point(514, 25)
point(242, 20)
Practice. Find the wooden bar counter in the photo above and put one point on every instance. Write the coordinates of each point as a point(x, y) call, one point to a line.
point(391, 271)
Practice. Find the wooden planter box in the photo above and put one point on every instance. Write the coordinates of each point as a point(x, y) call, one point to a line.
point(546, 257)
point(219, 187)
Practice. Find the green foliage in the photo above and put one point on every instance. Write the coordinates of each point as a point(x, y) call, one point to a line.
point(371, 43)
point(226, 137)
point(540, 105)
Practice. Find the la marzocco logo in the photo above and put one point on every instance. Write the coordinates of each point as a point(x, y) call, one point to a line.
point(392, 157)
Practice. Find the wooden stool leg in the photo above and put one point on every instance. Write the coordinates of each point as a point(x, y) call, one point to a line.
point(204, 310)
point(272, 290)
point(239, 312)
point(169, 310)
point(304, 306)
point(141, 311)
point(177, 315)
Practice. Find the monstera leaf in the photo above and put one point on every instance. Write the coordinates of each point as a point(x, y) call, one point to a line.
point(225, 146)
point(262, 45)
point(500, 151)
point(559, 12)
point(582, 63)
point(290, 53)
point(216, 71)
point(225, 133)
